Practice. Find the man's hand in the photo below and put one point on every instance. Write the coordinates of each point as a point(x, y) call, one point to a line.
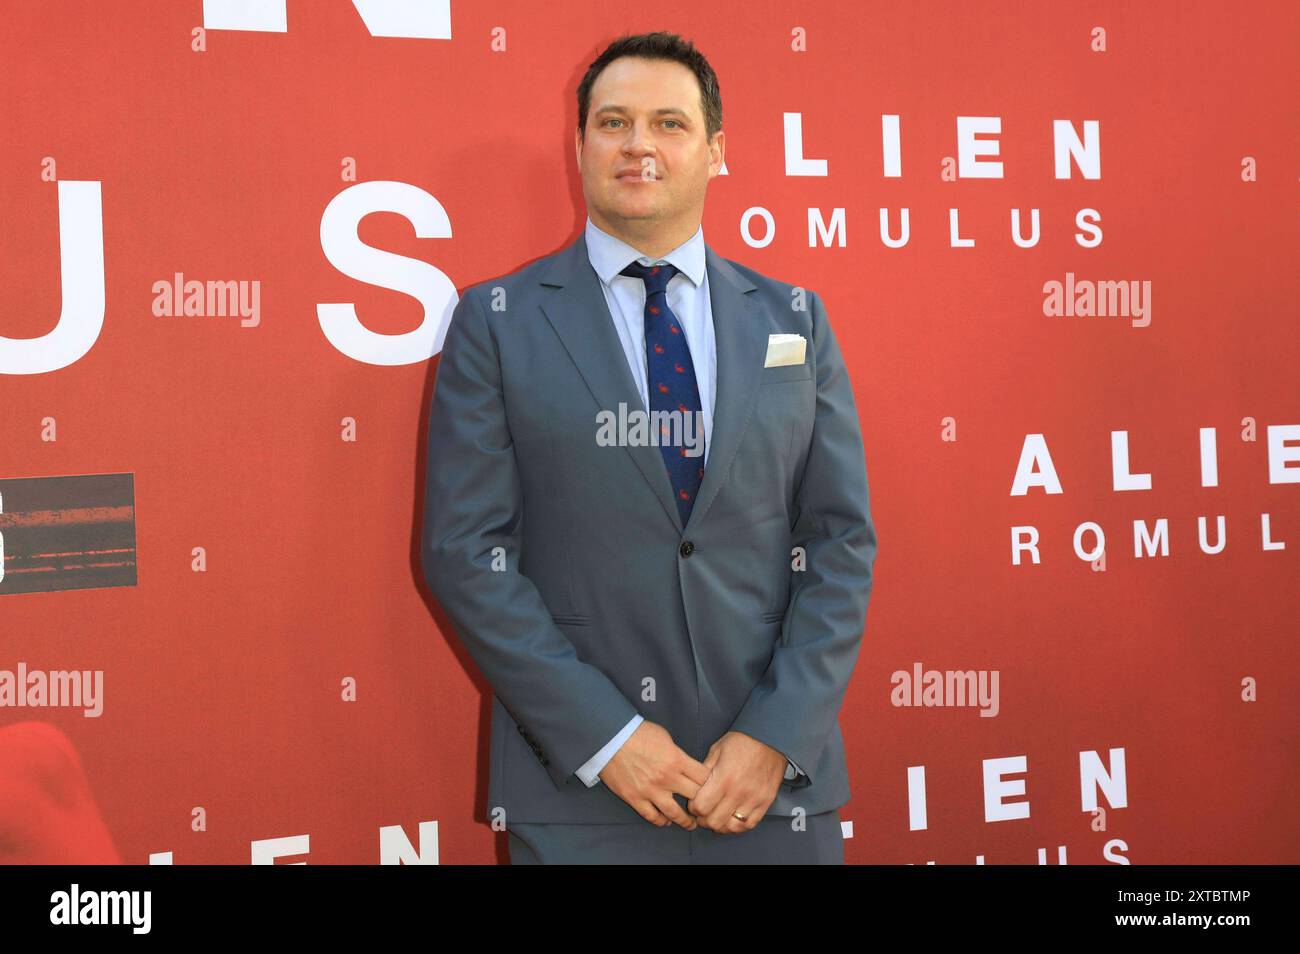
point(745, 775)
point(647, 769)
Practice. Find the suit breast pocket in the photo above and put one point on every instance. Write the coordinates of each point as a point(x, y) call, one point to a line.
point(783, 373)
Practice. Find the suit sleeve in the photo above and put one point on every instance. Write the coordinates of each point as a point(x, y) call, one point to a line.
point(796, 703)
point(472, 506)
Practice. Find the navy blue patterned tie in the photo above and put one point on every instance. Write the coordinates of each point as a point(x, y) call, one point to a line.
point(670, 376)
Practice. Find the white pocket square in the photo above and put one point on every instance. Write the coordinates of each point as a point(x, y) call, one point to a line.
point(784, 349)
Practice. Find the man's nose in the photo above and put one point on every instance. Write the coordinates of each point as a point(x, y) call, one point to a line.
point(639, 141)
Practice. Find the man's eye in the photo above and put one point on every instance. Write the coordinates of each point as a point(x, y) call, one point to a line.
point(676, 123)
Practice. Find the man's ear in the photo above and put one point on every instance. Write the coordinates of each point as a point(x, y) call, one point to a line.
point(720, 144)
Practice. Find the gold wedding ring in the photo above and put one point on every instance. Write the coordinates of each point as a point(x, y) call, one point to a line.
point(738, 815)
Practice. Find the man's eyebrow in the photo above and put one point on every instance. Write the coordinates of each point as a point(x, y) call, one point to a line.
point(658, 112)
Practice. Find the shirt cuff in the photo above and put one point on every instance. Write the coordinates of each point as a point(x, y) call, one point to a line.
point(590, 773)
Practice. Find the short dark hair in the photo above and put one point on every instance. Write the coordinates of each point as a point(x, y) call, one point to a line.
point(657, 46)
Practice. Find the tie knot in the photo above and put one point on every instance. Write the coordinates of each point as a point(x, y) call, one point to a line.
point(656, 277)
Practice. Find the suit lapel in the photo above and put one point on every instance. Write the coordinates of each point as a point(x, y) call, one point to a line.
point(580, 317)
point(741, 339)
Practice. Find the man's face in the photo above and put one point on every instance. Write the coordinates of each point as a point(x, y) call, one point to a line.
point(646, 160)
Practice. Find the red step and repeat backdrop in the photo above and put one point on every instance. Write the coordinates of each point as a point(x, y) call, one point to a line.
point(233, 233)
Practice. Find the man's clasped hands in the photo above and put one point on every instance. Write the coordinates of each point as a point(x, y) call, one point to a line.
point(739, 775)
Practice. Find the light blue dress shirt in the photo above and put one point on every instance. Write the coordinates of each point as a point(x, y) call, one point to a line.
point(688, 297)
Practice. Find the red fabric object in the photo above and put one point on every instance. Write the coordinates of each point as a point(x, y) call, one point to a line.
point(48, 814)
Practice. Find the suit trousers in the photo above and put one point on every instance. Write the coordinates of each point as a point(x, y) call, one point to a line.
point(773, 840)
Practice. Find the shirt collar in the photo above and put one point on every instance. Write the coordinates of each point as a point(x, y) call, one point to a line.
point(610, 255)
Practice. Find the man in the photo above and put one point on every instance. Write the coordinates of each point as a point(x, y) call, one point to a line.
point(669, 613)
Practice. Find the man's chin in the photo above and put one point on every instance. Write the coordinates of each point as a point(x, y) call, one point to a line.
point(637, 213)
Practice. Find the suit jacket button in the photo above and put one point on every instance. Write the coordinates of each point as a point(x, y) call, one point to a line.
point(687, 548)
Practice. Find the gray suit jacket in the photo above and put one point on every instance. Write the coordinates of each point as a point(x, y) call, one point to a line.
point(565, 569)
